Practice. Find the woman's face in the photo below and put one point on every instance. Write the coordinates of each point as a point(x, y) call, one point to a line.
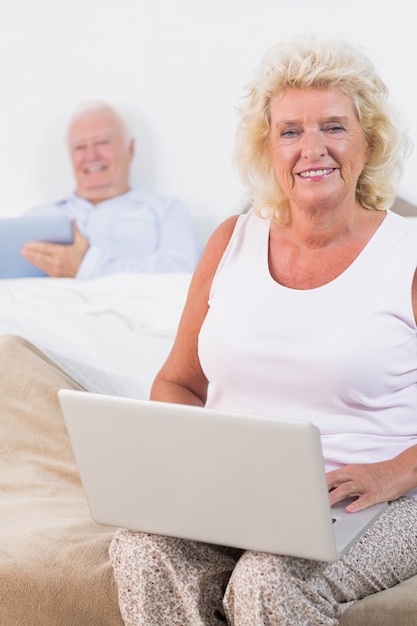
point(317, 146)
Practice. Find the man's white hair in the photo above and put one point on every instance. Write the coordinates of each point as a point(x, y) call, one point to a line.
point(101, 105)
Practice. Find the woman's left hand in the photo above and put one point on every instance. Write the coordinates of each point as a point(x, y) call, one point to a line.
point(373, 482)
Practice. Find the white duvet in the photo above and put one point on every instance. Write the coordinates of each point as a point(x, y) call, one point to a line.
point(111, 334)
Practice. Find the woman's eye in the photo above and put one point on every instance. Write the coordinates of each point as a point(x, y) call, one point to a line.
point(290, 132)
point(334, 128)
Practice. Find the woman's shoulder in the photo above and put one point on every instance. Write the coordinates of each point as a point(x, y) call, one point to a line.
point(219, 239)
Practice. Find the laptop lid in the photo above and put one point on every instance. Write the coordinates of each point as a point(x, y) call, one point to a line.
point(16, 231)
point(250, 482)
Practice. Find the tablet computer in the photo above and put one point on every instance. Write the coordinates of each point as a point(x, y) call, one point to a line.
point(16, 231)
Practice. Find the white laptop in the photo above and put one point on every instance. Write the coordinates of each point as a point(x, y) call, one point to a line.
point(249, 482)
point(16, 231)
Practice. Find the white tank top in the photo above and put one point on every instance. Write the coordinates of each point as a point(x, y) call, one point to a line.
point(343, 355)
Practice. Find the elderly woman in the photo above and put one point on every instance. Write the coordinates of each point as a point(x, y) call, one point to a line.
point(303, 307)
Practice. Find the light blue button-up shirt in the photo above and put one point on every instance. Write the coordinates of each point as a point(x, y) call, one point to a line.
point(133, 232)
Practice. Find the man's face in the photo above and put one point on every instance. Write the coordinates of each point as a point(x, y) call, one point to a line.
point(100, 155)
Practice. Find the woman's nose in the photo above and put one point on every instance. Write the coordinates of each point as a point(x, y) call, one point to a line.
point(313, 145)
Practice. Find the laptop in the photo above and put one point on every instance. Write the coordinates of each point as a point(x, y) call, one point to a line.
point(250, 482)
point(16, 231)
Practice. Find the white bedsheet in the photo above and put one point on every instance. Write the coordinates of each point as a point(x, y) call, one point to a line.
point(111, 334)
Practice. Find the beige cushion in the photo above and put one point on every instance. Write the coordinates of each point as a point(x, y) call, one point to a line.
point(391, 607)
point(54, 563)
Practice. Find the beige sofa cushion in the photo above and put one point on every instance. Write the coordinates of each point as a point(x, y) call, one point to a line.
point(54, 564)
point(391, 607)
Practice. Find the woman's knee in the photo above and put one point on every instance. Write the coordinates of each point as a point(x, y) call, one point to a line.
point(259, 570)
point(254, 581)
point(271, 589)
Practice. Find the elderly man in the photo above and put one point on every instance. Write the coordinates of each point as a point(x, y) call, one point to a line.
point(116, 228)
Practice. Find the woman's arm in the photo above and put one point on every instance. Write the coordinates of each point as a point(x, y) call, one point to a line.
point(376, 482)
point(181, 379)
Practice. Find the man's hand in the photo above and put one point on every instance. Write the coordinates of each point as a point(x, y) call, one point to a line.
point(57, 260)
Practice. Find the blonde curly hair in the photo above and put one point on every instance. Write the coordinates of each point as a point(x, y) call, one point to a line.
point(307, 63)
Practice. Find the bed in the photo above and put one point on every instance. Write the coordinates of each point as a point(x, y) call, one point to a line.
point(108, 335)
point(111, 333)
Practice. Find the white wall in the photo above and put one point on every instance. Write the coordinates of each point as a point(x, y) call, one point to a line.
point(179, 67)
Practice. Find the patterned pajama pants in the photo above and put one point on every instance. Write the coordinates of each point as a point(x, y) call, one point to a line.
point(164, 581)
